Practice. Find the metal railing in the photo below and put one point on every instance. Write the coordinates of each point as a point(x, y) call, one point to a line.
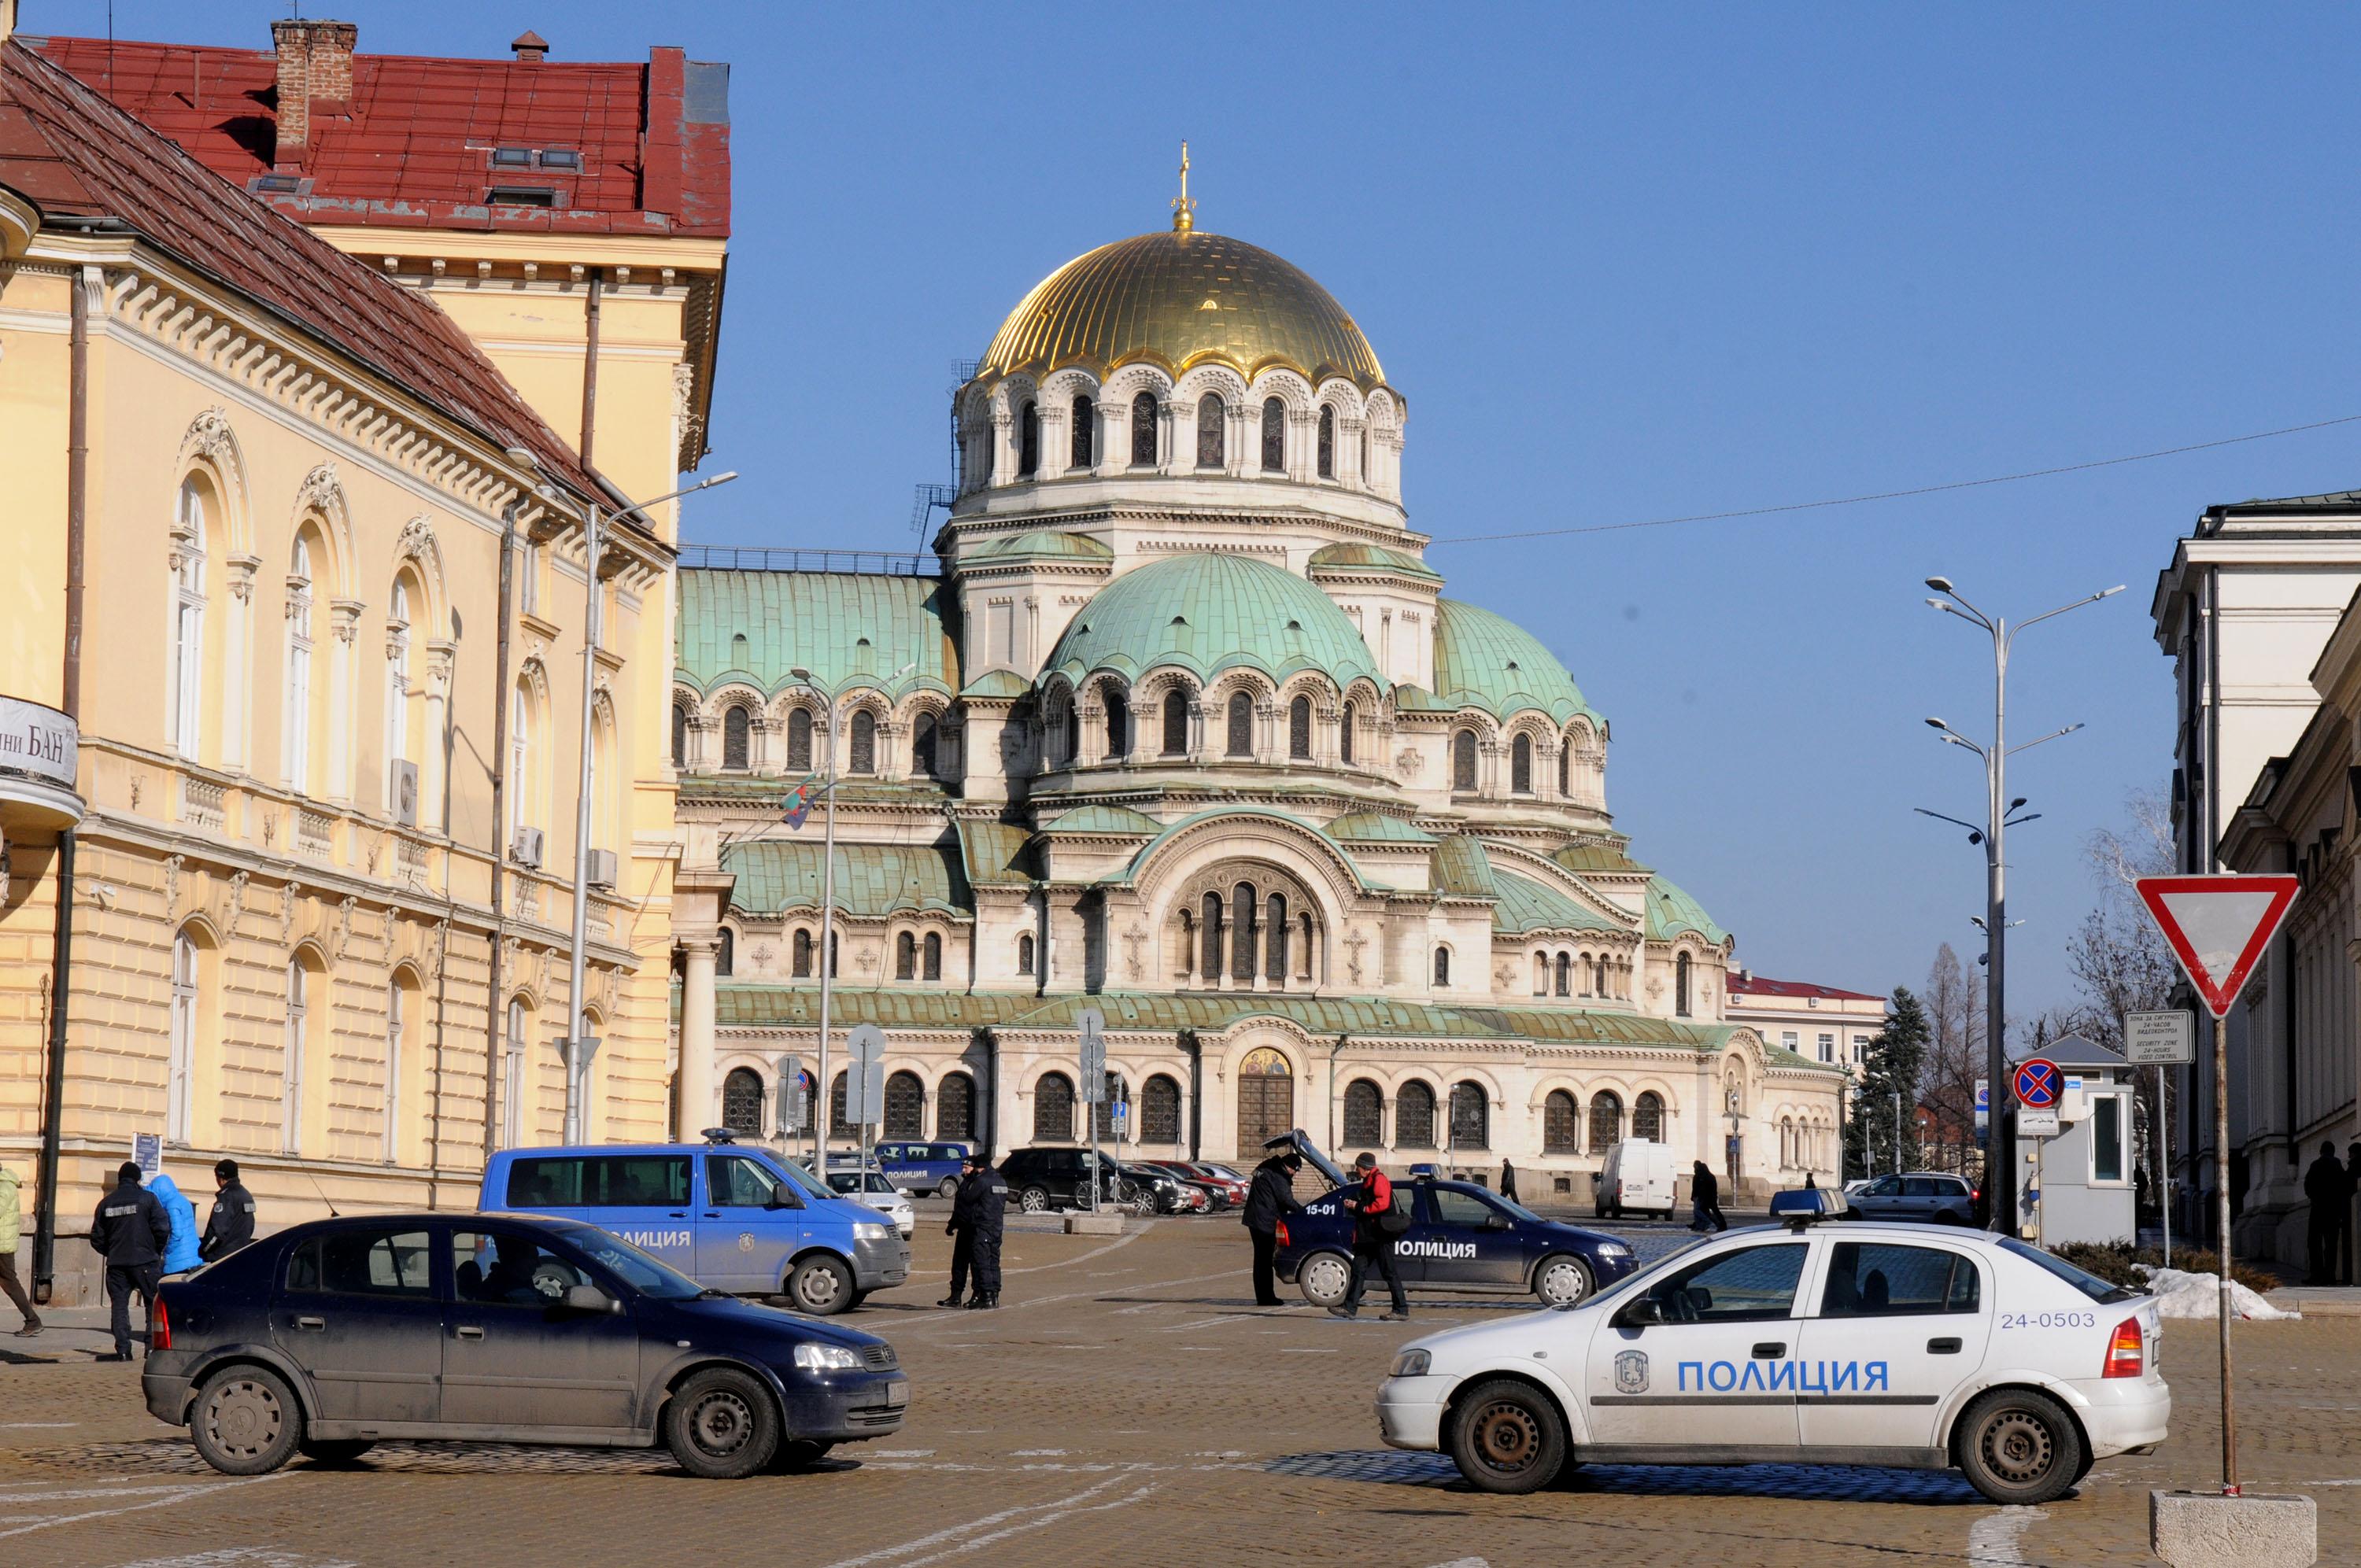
point(769, 558)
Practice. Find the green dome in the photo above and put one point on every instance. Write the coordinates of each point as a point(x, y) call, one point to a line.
point(1358, 560)
point(1487, 662)
point(1207, 614)
point(1672, 912)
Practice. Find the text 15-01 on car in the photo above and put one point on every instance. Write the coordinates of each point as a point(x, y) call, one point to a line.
point(737, 1218)
point(1461, 1238)
point(1875, 1344)
point(331, 1336)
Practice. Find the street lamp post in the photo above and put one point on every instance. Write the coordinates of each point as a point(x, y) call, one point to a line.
point(2000, 1167)
point(823, 1094)
point(577, 1060)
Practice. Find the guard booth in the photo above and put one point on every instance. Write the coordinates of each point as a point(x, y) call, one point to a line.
point(2086, 1171)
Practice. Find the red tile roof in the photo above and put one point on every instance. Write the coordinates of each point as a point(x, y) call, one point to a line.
point(74, 155)
point(412, 146)
point(1755, 986)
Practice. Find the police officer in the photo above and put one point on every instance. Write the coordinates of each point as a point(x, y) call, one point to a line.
point(1269, 1200)
point(129, 1230)
point(231, 1224)
point(978, 1213)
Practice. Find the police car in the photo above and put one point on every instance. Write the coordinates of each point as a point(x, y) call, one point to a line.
point(1866, 1344)
point(1461, 1237)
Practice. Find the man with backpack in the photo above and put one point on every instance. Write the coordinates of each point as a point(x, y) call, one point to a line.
point(1378, 1220)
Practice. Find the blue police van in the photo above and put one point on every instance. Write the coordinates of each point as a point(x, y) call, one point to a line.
point(923, 1166)
point(1462, 1238)
point(733, 1219)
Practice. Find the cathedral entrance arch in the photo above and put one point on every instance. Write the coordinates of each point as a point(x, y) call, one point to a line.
point(1266, 1099)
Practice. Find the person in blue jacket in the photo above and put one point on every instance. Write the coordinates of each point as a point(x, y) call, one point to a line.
point(181, 1252)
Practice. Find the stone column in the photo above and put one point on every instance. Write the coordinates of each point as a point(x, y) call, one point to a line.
point(696, 1044)
point(1056, 445)
point(1115, 438)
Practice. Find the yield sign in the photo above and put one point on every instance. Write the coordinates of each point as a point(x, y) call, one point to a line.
point(2217, 926)
point(2037, 1083)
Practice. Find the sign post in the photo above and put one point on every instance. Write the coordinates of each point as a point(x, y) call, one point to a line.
point(1093, 1065)
point(2218, 926)
point(2037, 1083)
point(864, 1091)
point(2161, 1040)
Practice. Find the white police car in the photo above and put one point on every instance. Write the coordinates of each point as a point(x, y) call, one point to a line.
point(1867, 1343)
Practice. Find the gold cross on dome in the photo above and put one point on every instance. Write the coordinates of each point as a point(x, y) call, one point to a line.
point(1183, 208)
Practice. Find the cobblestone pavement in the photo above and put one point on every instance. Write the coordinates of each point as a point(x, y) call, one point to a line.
point(1127, 1405)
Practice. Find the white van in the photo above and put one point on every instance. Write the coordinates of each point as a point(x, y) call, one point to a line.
point(1637, 1178)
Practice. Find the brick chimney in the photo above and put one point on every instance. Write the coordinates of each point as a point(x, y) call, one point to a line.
point(531, 47)
point(315, 62)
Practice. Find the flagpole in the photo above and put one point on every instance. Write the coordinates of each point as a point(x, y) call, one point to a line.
point(822, 1093)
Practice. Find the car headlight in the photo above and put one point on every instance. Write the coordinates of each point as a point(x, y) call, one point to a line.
point(1411, 1364)
point(814, 1357)
point(1613, 1249)
point(865, 1231)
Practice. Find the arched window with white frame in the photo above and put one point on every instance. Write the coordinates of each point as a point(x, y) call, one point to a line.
point(295, 725)
point(512, 1077)
point(188, 687)
point(398, 726)
point(180, 1102)
point(520, 786)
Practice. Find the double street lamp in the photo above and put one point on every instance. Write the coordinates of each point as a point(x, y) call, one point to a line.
point(2000, 1161)
point(575, 1049)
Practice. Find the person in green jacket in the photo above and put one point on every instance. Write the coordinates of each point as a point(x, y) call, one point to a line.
point(12, 1225)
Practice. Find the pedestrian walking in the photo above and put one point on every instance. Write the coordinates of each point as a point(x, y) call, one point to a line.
point(1270, 1199)
point(231, 1224)
point(12, 1225)
point(180, 1254)
point(1811, 1183)
point(1508, 1181)
point(979, 1212)
point(1704, 1200)
point(129, 1230)
point(1375, 1222)
point(2345, 1274)
point(2328, 1188)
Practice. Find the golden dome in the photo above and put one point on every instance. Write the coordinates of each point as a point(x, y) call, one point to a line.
point(1177, 299)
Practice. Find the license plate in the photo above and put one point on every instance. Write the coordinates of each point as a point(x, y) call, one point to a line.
point(898, 1396)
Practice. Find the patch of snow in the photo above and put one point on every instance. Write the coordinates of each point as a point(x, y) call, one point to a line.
point(2180, 1294)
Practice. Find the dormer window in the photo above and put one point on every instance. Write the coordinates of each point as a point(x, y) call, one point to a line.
point(560, 158)
point(512, 158)
point(521, 196)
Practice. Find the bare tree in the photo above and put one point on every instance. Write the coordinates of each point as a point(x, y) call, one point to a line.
point(2119, 960)
point(1954, 1000)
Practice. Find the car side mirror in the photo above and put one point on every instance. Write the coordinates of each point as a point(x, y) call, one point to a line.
point(1642, 1313)
point(590, 1299)
point(784, 1200)
point(1496, 1222)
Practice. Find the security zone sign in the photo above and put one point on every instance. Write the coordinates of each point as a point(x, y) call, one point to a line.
point(2217, 926)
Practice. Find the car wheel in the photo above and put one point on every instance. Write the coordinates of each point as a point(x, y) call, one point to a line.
point(1034, 1200)
point(720, 1425)
point(1507, 1437)
point(246, 1421)
point(333, 1451)
point(2019, 1447)
point(821, 1286)
point(1324, 1277)
point(947, 1187)
point(1561, 1281)
point(800, 1453)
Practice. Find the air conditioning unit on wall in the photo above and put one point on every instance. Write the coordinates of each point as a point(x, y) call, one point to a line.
point(405, 792)
point(526, 851)
point(600, 871)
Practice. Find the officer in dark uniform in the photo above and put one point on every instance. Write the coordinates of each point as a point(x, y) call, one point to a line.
point(978, 1213)
point(129, 1230)
point(231, 1224)
point(1270, 1200)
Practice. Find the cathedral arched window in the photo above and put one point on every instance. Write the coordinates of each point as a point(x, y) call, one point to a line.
point(1274, 437)
point(1565, 975)
point(1275, 965)
point(1443, 966)
point(1028, 440)
point(905, 957)
point(1209, 930)
point(1597, 977)
point(1299, 729)
point(1606, 1121)
point(1463, 760)
point(1085, 427)
point(742, 1101)
point(932, 956)
point(680, 735)
point(1541, 974)
point(1176, 722)
point(1209, 431)
point(737, 728)
point(1344, 736)
point(1565, 755)
point(802, 948)
point(1241, 725)
point(1242, 931)
point(922, 746)
point(725, 953)
point(1143, 431)
point(1681, 986)
point(1053, 1109)
point(1648, 1117)
point(864, 742)
point(1159, 1110)
point(800, 731)
point(1365, 455)
point(1520, 764)
point(1414, 1116)
point(1070, 726)
point(1327, 443)
point(1118, 727)
point(1561, 1127)
point(1365, 1115)
point(1025, 953)
point(1471, 1119)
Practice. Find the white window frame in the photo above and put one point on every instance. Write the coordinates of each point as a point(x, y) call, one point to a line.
point(295, 729)
point(397, 688)
point(291, 1115)
point(512, 1077)
point(1828, 1044)
point(2121, 1097)
point(180, 1072)
point(189, 627)
point(394, 1022)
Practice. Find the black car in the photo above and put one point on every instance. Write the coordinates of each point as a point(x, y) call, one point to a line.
point(1040, 1180)
point(328, 1337)
point(1461, 1238)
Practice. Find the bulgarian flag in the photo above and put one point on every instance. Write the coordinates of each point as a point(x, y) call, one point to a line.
point(799, 802)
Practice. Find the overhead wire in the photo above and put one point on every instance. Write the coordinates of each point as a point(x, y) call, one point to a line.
point(1894, 495)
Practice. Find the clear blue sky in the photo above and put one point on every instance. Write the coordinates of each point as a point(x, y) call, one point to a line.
point(1623, 266)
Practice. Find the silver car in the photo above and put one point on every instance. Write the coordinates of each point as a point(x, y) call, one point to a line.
point(873, 1189)
point(1927, 1197)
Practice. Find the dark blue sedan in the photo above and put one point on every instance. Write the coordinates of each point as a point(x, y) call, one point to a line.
point(1462, 1238)
point(326, 1338)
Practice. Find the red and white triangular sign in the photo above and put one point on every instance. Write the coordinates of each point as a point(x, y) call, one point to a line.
point(2217, 926)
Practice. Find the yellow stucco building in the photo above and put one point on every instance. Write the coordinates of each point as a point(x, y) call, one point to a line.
point(272, 541)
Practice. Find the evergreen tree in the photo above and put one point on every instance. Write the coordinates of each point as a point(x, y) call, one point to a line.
point(1895, 1061)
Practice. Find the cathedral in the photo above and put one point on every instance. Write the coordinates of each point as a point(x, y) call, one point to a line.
point(1179, 725)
